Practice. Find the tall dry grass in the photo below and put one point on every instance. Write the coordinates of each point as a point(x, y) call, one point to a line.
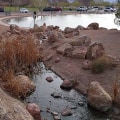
point(20, 54)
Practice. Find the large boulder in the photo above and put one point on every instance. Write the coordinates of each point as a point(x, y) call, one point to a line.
point(98, 98)
point(70, 32)
point(81, 41)
point(21, 86)
point(12, 109)
point(79, 52)
point(93, 26)
point(95, 50)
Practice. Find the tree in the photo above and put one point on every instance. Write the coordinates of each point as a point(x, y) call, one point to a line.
point(85, 2)
point(76, 4)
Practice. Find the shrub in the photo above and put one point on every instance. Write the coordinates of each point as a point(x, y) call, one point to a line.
point(101, 64)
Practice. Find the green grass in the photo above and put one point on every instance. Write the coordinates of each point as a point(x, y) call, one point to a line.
point(16, 9)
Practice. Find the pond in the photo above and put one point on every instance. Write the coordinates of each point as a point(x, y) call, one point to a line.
point(104, 20)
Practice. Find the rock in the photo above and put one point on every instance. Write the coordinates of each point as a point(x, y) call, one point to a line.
point(79, 27)
point(73, 107)
point(81, 41)
point(113, 61)
point(54, 113)
point(68, 30)
point(49, 57)
point(67, 112)
point(95, 50)
point(69, 35)
point(98, 98)
point(116, 110)
point(63, 48)
point(22, 86)
point(34, 110)
point(57, 60)
point(56, 28)
point(81, 103)
point(52, 37)
point(50, 28)
point(60, 36)
point(93, 26)
point(13, 27)
point(66, 84)
point(49, 79)
point(56, 95)
point(79, 52)
point(57, 117)
point(44, 27)
point(116, 89)
point(12, 109)
point(87, 65)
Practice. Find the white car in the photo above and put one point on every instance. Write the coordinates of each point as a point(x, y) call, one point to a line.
point(24, 10)
point(109, 9)
point(82, 8)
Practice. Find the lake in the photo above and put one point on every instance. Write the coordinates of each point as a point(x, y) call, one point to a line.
point(104, 20)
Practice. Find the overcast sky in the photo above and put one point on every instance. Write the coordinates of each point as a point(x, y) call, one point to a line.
point(111, 0)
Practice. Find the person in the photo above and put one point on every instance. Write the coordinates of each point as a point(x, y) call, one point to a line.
point(34, 14)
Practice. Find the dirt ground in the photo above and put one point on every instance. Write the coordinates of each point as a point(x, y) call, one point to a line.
point(71, 69)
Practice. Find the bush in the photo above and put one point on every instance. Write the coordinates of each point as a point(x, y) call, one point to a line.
point(101, 64)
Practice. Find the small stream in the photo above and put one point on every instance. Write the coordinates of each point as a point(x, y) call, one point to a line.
point(69, 99)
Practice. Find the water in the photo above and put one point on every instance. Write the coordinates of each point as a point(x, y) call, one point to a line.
point(71, 99)
point(104, 20)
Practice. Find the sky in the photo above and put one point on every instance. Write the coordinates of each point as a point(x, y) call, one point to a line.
point(111, 0)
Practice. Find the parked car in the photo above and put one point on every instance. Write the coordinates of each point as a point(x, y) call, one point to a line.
point(48, 9)
point(52, 9)
point(24, 10)
point(82, 8)
point(109, 9)
point(57, 9)
point(1, 9)
point(93, 9)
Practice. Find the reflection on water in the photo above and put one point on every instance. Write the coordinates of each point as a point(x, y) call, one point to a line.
point(104, 20)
